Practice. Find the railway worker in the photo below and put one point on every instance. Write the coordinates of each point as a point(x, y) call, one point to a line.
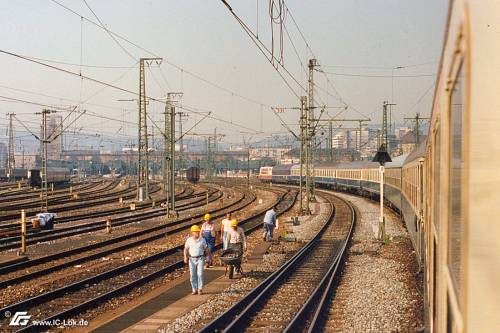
point(236, 236)
point(269, 224)
point(225, 228)
point(236, 239)
point(194, 252)
point(209, 232)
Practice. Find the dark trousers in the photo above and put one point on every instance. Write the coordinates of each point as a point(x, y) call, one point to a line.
point(268, 230)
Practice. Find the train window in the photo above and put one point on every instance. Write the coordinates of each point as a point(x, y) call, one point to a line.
point(455, 219)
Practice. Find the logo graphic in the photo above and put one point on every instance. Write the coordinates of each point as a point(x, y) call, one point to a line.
point(20, 318)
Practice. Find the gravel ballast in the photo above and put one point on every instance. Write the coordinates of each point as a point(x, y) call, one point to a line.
point(378, 290)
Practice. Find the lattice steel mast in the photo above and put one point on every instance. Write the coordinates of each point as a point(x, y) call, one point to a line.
point(11, 163)
point(143, 164)
point(310, 135)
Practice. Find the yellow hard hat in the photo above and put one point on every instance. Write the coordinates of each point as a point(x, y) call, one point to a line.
point(234, 223)
point(195, 228)
point(207, 217)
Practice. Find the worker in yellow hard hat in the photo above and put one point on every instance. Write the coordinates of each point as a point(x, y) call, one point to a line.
point(237, 241)
point(209, 231)
point(195, 249)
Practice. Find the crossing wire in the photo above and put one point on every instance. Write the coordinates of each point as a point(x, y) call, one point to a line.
point(118, 88)
point(183, 70)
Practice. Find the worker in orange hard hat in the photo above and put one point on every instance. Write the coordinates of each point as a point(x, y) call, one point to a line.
point(209, 231)
point(194, 254)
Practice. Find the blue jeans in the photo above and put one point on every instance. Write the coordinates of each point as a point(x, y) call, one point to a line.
point(196, 270)
point(210, 244)
point(269, 229)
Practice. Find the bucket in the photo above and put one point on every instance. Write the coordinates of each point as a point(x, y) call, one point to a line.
point(35, 223)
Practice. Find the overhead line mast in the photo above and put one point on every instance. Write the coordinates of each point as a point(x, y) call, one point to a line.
point(310, 135)
point(11, 163)
point(143, 169)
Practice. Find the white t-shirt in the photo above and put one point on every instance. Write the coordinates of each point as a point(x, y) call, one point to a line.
point(196, 247)
point(227, 225)
point(236, 236)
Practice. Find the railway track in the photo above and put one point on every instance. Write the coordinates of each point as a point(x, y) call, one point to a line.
point(108, 189)
point(12, 229)
point(14, 274)
point(287, 301)
point(89, 293)
point(54, 234)
point(35, 194)
point(127, 194)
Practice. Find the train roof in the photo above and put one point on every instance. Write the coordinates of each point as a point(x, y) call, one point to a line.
point(53, 169)
point(349, 165)
point(417, 153)
point(397, 161)
point(283, 167)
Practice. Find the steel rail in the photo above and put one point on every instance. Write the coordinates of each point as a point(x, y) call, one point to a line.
point(37, 261)
point(6, 196)
point(62, 192)
point(81, 204)
point(139, 206)
point(324, 288)
point(40, 299)
point(85, 216)
point(93, 226)
point(235, 318)
point(55, 199)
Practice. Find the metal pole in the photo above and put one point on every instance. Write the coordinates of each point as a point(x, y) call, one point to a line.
point(172, 158)
point(417, 129)
point(330, 138)
point(166, 143)
point(181, 146)
point(381, 232)
point(139, 137)
point(310, 134)
point(359, 140)
point(384, 125)
point(248, 167)
point(43, 175)
point(11, 164)
point(23, 232)
point(304, 155)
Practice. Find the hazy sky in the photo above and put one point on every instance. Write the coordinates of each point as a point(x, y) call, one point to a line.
point(358, 41)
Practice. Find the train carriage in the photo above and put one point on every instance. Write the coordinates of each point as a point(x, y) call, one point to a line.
point(412, 194)
point(265, 173)
point(54, 176)
point(447, 189)
point(281, 173)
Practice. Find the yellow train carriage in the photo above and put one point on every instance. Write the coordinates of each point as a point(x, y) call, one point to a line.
point(462, 178)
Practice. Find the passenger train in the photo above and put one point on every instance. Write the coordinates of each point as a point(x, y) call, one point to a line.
point(54, 176)
point(447, 191)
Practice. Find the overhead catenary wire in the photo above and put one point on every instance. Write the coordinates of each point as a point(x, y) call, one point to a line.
point(111, 86)
point(110, 34)
point(63, 98)
point(165, 60)
point(379, 67)
point(268, 54)
point(375, 76)
point(338, 97)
